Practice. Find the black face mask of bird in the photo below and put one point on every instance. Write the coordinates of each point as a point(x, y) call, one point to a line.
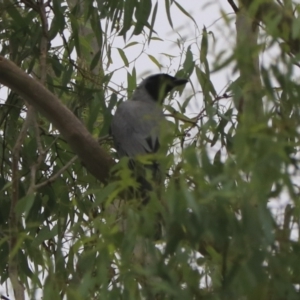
point(136, 124)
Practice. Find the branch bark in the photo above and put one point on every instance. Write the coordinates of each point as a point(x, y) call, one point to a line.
point(247, 56)
point(94, 158)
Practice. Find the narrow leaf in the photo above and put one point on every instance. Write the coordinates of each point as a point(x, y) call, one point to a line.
point(24, 205)
point(155, 38)
point(95, 60)
point(205, 83)
point(155, 61)
point(188, 64)
point(123, 56)
point(184, 11)
point(130, 44)
point(142, 13)
point(96, 26)
point(204, 46)
point(152, 21)
point(129, 6)
point(167, 4)
point(15, 15)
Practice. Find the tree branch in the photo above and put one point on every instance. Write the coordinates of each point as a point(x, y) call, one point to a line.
point(233, 5)
point(94, 158)
point(247, 58)
point(56, 175)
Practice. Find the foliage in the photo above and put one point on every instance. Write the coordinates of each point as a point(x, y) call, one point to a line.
point(76, 238)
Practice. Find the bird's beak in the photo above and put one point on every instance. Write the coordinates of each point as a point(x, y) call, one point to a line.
point(179, 81)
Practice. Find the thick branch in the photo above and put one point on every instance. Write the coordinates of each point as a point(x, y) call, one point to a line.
point(95, 159)
point(247, 56)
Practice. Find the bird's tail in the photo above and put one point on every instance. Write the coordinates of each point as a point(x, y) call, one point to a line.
point(141, 172)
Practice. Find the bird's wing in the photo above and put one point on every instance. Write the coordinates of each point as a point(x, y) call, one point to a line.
point(135, 128)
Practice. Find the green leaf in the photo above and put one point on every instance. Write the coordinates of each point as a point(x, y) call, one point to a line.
point(54, 29)
point(184, 11)
point(105, 193)
point(155, 61)
point(56, 65)
point(45, 234)
point(131, 44)
point(108, 114)
point(59, 16)
point(167, 6)
point(188, 64)
point(96, 26)
point(109, 59)
point(205, 83)
point(15, 15)
point(168, 55)
point(24, 205)
point(112, 102)
point(152, 21)
point(218, 163)
point(204, 46)
point(177, 115)
point(6, 186)
point(75, 33)
point(142, 13)
point(123, 56)
point(207, 166)
point(155, 38)
point(131, 82)
point(67, 75)
point(267, 82)
point(203, 51)
point(95, 60)
point(129, 6)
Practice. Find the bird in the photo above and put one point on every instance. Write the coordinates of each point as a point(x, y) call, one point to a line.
point(135, 127)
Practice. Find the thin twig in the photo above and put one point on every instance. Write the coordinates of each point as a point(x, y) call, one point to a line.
point(55, 176)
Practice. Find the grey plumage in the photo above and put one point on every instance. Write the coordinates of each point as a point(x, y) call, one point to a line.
point(135, 127)
point(136, 124)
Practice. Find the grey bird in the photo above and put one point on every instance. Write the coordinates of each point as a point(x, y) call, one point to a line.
point(135, 127)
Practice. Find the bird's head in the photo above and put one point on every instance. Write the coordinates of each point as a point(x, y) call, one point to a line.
point(159, 85)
